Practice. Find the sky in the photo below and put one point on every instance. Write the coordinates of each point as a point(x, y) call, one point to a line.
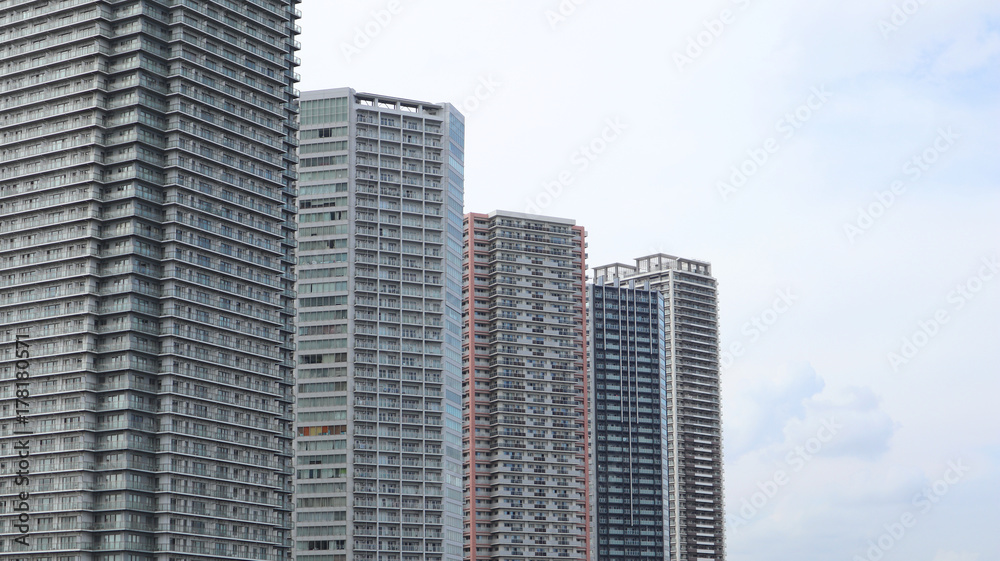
point(836, 162)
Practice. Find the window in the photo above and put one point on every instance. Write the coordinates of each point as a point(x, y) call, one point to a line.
point(320, 111)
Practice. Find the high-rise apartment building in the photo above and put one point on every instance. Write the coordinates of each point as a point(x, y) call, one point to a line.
point(378, 412)
point(628, 396)
point(146, 248)
point(526, 447)
point(693, 460)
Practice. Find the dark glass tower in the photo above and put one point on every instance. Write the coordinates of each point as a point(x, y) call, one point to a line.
point(693, 437)
point(630, 420)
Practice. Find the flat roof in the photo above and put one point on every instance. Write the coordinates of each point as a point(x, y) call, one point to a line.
point(540, 218)
point(655, 262)
point(325, 94)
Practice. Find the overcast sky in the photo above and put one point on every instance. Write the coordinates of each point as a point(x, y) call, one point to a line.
point(836, 161)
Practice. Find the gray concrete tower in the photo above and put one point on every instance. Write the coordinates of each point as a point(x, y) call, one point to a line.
point(147, 207)
point(378, 418)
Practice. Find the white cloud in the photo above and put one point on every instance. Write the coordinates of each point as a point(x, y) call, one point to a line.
point(969, 52)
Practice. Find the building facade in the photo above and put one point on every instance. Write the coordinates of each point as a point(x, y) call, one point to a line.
point(693, 464)
point(147, 208)
point(378, 419)
point(526, 447)
point(628, 393)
